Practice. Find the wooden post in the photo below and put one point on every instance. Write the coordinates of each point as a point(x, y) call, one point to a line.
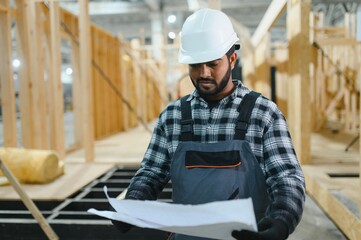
point(86, 80)
point(358, 38)
point(31, 75)
point(55, 85)
point(28, 202)
point(36, 64)
point(135, 43)
point(123, 83)
point(299, 107)
point(76, 92)
point(22, 38)
point(262, 66)
point(215, 4)
point(6, 77)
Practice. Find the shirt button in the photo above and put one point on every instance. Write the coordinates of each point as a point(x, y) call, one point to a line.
point(208, 127)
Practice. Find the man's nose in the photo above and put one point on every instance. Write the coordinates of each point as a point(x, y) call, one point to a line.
point(204, 71)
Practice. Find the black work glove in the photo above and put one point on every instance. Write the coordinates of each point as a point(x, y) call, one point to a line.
point(268, 229)
point(123, 227)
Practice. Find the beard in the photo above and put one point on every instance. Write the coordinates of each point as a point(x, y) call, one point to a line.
point(217, 87)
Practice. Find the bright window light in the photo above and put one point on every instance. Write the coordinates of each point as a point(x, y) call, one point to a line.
point(16, 63)
point(69, 71)
point(172, 18)
point(171, 35)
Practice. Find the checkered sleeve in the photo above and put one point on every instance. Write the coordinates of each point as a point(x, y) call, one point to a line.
point(283, 172)
point(153, 173)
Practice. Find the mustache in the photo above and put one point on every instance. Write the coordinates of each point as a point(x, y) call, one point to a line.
point(206, 80)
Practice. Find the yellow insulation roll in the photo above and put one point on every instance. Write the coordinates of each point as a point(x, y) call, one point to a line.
point(32, 166)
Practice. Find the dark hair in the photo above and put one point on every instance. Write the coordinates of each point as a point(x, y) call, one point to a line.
point(231, 51)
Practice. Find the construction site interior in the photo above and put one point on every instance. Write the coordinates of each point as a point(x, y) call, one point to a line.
point(82, 83)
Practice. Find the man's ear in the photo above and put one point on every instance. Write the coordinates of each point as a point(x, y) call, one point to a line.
point(233, 59)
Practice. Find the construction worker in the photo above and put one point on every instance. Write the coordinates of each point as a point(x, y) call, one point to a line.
point(223, 141)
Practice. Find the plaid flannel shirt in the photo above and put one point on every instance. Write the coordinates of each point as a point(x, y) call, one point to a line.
point(267, 135)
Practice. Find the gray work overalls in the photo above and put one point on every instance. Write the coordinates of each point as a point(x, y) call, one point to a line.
point(225, 170)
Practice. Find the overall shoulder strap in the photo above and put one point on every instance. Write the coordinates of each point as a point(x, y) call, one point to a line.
point(245, 110)
point(186, 121)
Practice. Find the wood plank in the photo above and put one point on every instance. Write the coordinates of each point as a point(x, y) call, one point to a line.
point(6, 77)
point(336, 41)
point(329, 157)
point(86, 80)
point(64, 186)
point(299, 117)
point(273, 12)
point(55, 84)
point(348, 222)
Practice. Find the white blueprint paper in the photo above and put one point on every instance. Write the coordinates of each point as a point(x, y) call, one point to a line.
point(212, 220)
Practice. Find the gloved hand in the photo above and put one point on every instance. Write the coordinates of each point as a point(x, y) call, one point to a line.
point(268, 229)
point(122, 226)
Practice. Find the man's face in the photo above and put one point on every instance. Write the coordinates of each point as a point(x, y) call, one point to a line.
point(213, 79)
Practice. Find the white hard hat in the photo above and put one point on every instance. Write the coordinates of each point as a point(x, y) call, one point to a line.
point(206, 35)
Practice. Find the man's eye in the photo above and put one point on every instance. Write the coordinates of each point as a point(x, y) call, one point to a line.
point(212, 64)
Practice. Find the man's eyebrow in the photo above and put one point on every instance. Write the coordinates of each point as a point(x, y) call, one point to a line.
point(215, 60)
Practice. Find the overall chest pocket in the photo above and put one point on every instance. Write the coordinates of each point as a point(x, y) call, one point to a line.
point(206, 176)
point(224, 159)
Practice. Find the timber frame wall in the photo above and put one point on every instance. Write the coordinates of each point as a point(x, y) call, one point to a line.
point(318, 81)
point(112, 91)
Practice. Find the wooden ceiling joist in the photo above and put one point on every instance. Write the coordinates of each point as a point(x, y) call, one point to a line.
point(274, 11)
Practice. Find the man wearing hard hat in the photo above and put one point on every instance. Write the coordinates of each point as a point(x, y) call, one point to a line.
point(223, 141)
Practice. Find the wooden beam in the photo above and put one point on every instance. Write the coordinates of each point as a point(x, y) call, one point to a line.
point(359, 63)
point(31, 75)
point(347, 221)
point(24, 76)
point(86, 80)
point(274, 11)
point(123, 83)
point(55, 84)
point(6, 77)
point(36, 63)
point(299, 105)
point(4, 7)
point(215, 4)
